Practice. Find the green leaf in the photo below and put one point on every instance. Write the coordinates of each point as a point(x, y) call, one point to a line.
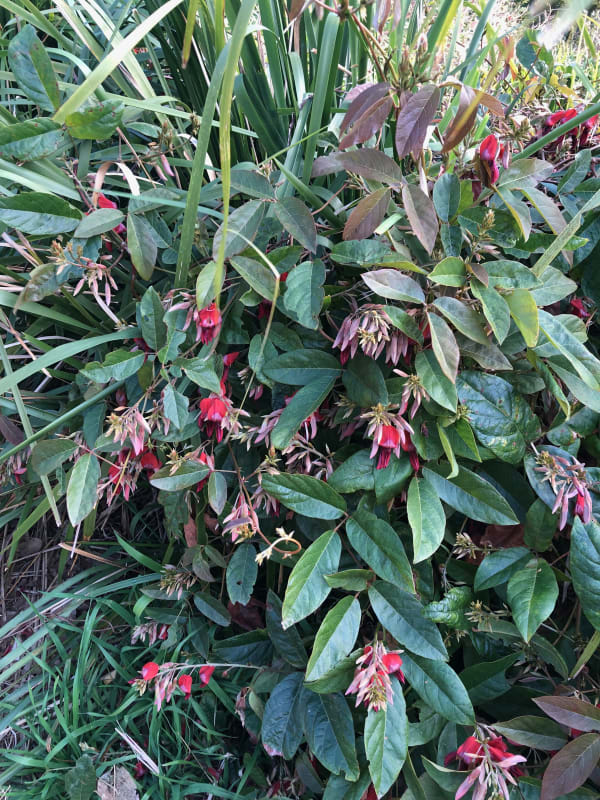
point(217, 491)
point(510, 275)
point(498, 567)
point(287, 643)
point(585, 567)
point(243, 225)
point(440, 687)
point(31, 140)
point(190, 473)
point(524, 312)
point(283, 716)
point(571, 766)
point(300, 367)
point(404, 322)
point(206, 290)
point(82, 490)
point(97, 123)
point(32, 69)
point(532, 593)
point(487, 680)
point(495, 308)
point(335, 638)
point(80, 780)
point(444, 346)
point(500, 417)
point(352, 580)
point(202, 372)
point(151, 313)
point(401, 614)
point(446, 198)
point(449, 271)
point(437, 385)
point(256, 275)
point(118, 365)
point(555, 286)
point(48, 454)
point(175, 406)
point(471, 495)
point(304, 293)
point(141, 245)
point(305, 495)
point(298, 221)
point(536, 732)
point(566, 344)
point(364, 382)
point(354, 474)
point(386, 740)
point(389, 482)
point(307, 587)
point(300, 407)
point(241, 574)
point(540, 527)
point(99, 221)
point(394, 285)
point(39, 214)
point(378, 544)
point(426, 517)
point(463, 317)
point(251, 183)
point(212, 609)
point(330, 733)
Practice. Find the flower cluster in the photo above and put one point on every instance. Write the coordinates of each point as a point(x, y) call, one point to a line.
point(580, 134)
point(390, 434)
point(370, 328)
point(124, 472)
point(568, 481)
point(490, 150)
point(166, 679)
point(371, 684)
point(491, 767)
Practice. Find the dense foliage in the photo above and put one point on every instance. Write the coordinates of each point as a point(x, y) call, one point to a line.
point(300, 356)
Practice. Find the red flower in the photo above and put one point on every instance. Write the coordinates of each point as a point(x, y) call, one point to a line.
point(208, 323)
point(472, 751)
point(185, 684)
point(488, 149)
point(205, 674)
point(579, 308)
point(104, 202)
point(149, 461)
point(149, 670)
point(393, 663)
point(163, 632)
point(213, 413)
point(560, 117)
point(388, 442)
point(139, 770)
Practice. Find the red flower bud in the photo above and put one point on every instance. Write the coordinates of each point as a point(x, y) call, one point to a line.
point(488, 149)
point(392, 662)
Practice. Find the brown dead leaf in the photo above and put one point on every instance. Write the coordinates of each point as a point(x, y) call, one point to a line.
point(190, 532)
point(117, 784)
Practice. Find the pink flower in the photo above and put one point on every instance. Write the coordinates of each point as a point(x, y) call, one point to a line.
point(370, 328)
point(242, 521)
point(185, 684)
point(371, 683)
point(489, 150)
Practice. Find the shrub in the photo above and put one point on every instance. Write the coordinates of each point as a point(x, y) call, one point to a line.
point(334, 415)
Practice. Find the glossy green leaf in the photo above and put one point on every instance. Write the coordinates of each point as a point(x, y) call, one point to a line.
point(402, 615)
point(151, 314)
point(471, 495)
point(386, 740)
point(305, 495)
point(98, 122)
point(301, 406)
point(31, 140)
point(446, 196)
point(393, 285)
point(426, 517)
point(532, 594)
point(298, 221)
point(524, 312)
point(499, 416)
point(39, 214)
point(32, 69)
point(141, 245)
point(463, 317)
point(242, 227)
point(281, 732)
point(48, 454)
point(364, 382)
point(307, 587)
point(300, 367)
point(335, 638)
point(212, 609)
point(498, 567)
point(287, 643)
point(354, 474)
point(190, 473)
point(378, 544)
point(444, 346)
point(118, 365)
point(495, 308)
point(241, 574)
point(585, 567)
point(449, 271)
point(304, 293)
point(99, 221)
point(330, 734)
point(437, 385)
point(440, 687)
point(82, 490)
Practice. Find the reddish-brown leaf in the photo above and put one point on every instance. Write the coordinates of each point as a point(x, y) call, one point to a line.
point(421, 215)
point(368, 163)
point(369, 122)
point(413, 119)
point(361, 99)
point(190, 532)
point(11, 432)
point(464, 119)
point(571, 711)
point(570, 767)
point(368, 214)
